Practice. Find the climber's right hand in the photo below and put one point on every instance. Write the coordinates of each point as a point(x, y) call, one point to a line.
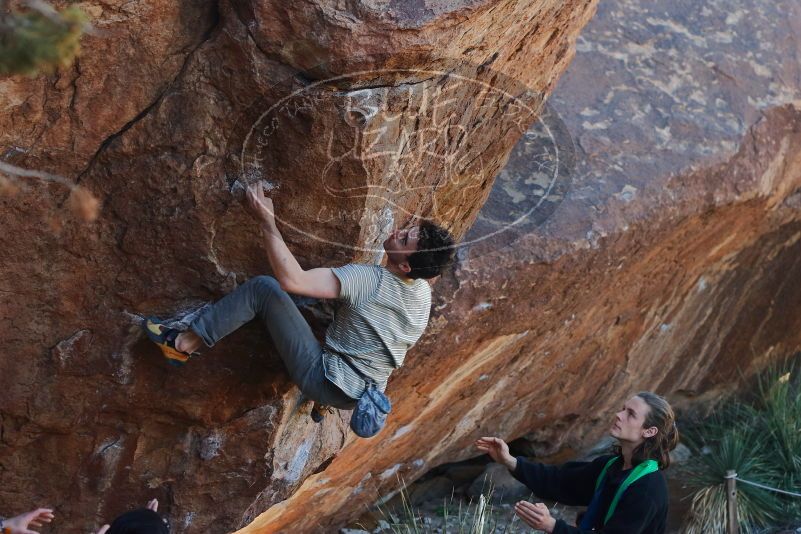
point(498, 451)
point(260, 205)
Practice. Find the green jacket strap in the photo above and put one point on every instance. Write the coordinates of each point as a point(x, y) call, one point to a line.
point(645, 468)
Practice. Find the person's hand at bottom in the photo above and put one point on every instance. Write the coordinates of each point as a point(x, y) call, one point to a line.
point(535, 515)
point(35, 518)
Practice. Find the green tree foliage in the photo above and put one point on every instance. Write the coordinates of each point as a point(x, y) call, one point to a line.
point(39, 39)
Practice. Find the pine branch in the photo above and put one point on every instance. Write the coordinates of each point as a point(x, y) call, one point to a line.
point(13, 170)
point(82, 202)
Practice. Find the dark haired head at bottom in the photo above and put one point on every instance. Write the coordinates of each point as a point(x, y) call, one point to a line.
point(142, 521)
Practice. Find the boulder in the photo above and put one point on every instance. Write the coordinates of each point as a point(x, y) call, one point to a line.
point(497, 483)
point(463, 473)
point(666, 259)
point(431, 490)
point(357, 115)
point(670, 264)
point(680, 454)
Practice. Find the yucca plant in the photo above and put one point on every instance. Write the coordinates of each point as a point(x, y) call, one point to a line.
point(779, 410)
point(758, 438)
point(737, 449)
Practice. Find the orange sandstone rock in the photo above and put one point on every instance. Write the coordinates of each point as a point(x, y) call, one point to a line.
point(358, 116)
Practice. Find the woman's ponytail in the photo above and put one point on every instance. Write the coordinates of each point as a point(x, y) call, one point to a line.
point(658, 446)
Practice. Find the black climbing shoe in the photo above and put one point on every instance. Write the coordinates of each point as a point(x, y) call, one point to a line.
point(319, 412)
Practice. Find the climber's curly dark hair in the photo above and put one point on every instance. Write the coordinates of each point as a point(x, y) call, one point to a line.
point(435, 251)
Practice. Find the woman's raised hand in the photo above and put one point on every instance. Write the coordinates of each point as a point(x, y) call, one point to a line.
point(498, 451)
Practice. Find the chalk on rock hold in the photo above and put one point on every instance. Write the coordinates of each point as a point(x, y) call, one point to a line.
point(239, 187)
point(352, 531)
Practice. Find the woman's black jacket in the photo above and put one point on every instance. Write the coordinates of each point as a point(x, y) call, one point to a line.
point(642, 507)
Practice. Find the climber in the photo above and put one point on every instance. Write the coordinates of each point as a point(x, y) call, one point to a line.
point(383, 311)
point(625, 492)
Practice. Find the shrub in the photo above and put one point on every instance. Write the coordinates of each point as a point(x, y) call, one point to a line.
point(760, 439)
point(40, 39)
point(458, 517)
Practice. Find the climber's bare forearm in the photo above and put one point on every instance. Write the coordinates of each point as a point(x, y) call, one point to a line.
point(285, 267)
point(316, 283)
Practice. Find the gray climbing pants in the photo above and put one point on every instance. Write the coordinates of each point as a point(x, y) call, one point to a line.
point(300, 351)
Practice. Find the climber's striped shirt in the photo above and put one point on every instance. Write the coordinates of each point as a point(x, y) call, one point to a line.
point(380, 317)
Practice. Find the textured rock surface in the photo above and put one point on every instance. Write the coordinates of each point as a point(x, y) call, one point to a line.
point(167, 108)
point(672, 264)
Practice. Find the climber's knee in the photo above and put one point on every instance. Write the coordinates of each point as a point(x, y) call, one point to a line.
point(260, 289)
point(264, 283)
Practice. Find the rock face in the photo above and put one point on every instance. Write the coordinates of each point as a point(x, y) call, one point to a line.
point(358, 115)
point(671, 264)
point(668, 261)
